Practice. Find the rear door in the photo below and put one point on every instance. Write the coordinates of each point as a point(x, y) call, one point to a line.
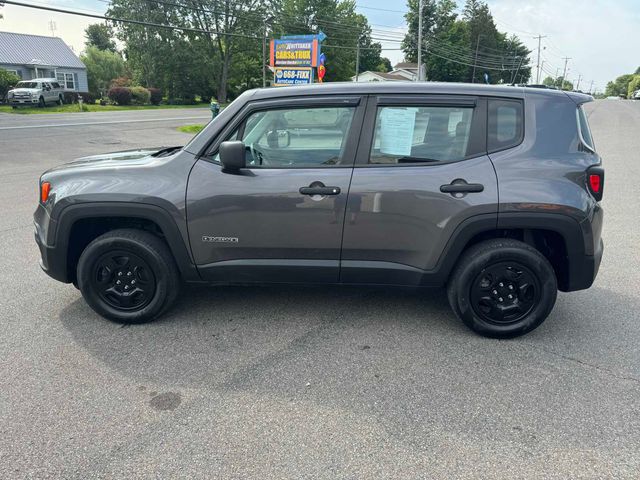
point(422, 169)
point(281, 218)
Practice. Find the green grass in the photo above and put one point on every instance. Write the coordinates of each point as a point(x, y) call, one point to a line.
point(191, 128)
point(90, 108)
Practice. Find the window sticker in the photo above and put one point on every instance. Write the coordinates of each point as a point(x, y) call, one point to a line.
point(396, 130)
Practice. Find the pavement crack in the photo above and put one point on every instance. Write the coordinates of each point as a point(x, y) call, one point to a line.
point(607, 371)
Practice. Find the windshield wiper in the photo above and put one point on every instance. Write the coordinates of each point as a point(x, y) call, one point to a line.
point(166, 151)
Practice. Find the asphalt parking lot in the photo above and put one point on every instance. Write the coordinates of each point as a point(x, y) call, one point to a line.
point(309, 383)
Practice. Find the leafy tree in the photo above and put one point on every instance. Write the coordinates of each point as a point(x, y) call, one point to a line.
point(620, 86)
point(7, 80)
point(634, 85)
point(100, 36)
point(384, 65)
point(453, 44)
point(102, 67)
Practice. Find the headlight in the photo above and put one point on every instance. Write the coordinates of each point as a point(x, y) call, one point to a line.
point(10, 95)
point(34, 95)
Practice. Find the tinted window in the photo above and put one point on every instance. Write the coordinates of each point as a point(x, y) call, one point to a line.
point(297, 137)
point(27, 85)
point(585, 131)
point(505, 124)
point(414, 134)
point(55, 84)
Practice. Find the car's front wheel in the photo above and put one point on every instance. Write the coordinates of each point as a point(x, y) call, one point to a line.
point(41, 102)
point(128, 276)
point(502, 288)
point(60, 100)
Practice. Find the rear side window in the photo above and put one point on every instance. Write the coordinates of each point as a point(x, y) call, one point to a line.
point(411, 134)
point(505, 126)
point(585, 131)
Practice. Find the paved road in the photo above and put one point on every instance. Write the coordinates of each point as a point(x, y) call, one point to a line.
point(313, 383)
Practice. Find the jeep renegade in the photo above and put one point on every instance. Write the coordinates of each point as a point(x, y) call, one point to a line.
point(493, 191)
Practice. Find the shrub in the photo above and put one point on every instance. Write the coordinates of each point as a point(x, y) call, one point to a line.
point(156, 95)
point(120, 95)
point(120, 82)
point(140, 95)
point(7, 80)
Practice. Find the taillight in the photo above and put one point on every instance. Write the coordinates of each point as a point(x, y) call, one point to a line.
point(595, 181)
point(45, 188)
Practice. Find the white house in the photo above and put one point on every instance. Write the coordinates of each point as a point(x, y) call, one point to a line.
point(402, 72)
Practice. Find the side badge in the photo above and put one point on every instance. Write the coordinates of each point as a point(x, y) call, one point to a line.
point(209, 239)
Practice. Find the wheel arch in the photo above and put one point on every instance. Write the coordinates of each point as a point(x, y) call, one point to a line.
point(558, 237)
point(77, 225)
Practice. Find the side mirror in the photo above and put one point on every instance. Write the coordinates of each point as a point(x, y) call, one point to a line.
point(232, 155)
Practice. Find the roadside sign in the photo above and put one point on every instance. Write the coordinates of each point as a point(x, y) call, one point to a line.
point(299, 52)
point(284, 76)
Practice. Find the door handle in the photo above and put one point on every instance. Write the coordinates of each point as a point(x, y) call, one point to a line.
point(319, 190)
point(461, 186)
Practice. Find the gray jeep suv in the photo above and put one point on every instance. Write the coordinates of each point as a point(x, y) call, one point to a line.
point(491, 191)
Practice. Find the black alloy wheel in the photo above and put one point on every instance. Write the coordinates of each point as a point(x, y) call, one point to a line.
point(128, 276)
point(502, 288)
point(124, 280)
point(504, 293)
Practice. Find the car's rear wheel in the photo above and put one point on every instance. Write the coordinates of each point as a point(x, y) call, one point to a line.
point(128, 276)
point(502, 288)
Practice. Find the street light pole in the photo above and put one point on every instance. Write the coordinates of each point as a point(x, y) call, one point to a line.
point(420, 40)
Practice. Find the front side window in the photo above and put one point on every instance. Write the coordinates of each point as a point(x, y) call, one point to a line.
point(296, 137)
point(505, 126)
point(414, 134)
point(585, 131)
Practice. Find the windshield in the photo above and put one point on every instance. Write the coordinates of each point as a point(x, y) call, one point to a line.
point(27, 85)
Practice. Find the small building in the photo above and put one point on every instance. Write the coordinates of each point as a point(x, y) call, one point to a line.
point(402, 72)
point(36, 56)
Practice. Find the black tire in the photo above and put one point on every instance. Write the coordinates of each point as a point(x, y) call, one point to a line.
point(60, 100)
point(133, 260)
point(502, 288)
point(41, 102)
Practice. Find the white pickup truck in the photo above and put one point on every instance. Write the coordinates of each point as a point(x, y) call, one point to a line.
point(39, 91)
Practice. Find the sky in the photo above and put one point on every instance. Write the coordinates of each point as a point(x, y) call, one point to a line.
point(600, 37)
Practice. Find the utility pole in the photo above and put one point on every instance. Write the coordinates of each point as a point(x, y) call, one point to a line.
point(578, 82)
point(264, 54)
point(420, 40)
point(590, 87)
point(358, 58)
point(473, 77)
point(564, 73)
point(539, 37)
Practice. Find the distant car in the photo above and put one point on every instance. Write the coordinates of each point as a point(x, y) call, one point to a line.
point(636, 95)
point(39, 91)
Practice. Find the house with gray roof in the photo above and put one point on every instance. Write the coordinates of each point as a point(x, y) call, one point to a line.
point(36, 56)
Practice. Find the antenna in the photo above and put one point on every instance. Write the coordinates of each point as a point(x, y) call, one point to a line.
point(53, 27)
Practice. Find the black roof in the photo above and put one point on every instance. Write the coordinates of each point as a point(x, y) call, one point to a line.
point(377, 88)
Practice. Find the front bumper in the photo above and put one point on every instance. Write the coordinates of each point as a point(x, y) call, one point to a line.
point(53, 258)
point(14, 102)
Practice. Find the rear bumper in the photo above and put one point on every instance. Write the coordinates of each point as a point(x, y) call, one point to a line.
point(583, 271)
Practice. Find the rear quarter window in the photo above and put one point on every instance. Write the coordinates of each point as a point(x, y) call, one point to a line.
point(584, 130)
point(505, 124)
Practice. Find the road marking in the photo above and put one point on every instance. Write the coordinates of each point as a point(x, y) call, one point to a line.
point(17, 127)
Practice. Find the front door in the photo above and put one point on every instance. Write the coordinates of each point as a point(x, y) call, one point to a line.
point(281, 218)
point(421, 170)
